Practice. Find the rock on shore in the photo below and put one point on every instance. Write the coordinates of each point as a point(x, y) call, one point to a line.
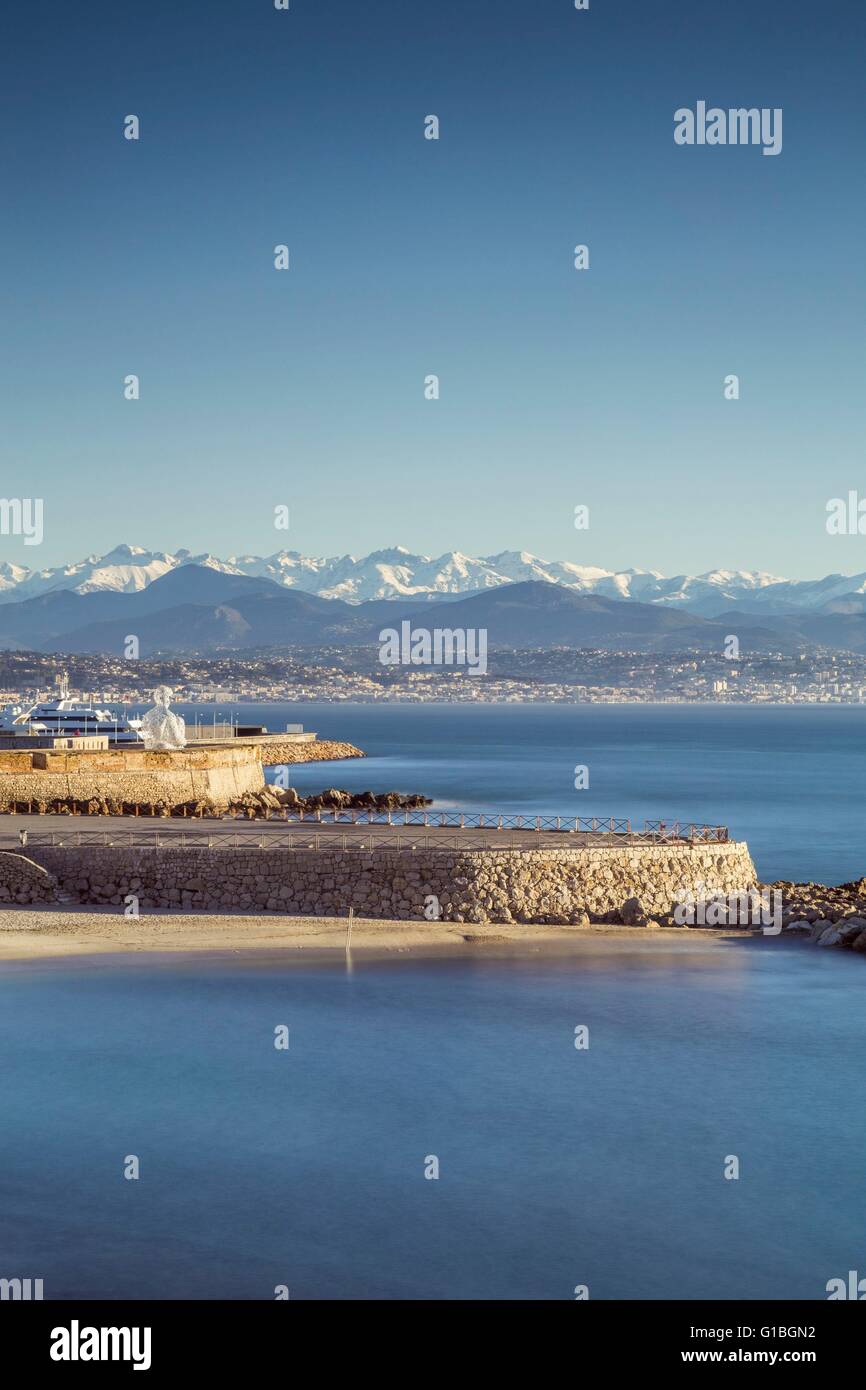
point(261, 804)
point(255, 805)
point(826, 915)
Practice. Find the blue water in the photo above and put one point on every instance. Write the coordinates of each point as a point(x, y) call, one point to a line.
point(789, 780)
point(557, 1167)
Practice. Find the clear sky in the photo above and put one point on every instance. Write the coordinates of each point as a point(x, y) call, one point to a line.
point(455, 257)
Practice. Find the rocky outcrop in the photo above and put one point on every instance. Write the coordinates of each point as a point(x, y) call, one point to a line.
point(262, 803)
point(333, 799)
point(545, 886)
point(827, 916)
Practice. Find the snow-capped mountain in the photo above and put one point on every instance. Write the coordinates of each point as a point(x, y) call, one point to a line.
point(397, 573)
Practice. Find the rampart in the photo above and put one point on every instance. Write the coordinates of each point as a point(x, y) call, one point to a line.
point(544, 885)
point(129, 775)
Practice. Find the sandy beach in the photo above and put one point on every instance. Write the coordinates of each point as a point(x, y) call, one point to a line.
point(42, 933)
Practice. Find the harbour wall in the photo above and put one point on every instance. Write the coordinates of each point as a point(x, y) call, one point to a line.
point(276, 749)
point(555, 885)
point(217, 774)
point(136, 776)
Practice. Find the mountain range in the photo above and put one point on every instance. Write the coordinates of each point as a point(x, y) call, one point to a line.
point(398, 574)
point(199, 609)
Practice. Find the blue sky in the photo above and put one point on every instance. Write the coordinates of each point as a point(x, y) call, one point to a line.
point(454, 257)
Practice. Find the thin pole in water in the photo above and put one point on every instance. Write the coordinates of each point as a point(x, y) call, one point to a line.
point(349, 930)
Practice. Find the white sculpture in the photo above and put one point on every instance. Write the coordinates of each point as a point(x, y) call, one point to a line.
point(159, 727)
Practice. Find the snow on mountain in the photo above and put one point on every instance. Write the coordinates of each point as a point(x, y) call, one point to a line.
point(393, 573)
point(397, 573)
point(11, 576)
point(810, 595)
point(712, 593)
point(125, 569)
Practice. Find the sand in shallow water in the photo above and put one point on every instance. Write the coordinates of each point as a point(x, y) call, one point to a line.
point(40, 933)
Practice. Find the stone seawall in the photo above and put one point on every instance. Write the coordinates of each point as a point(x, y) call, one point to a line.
point(133, 775)
point(129, 780)
point(555, 885)
point(22, 880)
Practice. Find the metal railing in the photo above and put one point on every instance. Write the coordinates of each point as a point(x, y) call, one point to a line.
point(655, 831)
point(511, 832)
point(658, 831)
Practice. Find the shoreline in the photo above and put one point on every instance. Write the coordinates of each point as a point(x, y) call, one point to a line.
point(44, 934)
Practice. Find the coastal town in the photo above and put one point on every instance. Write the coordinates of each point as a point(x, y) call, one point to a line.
point(557, 675)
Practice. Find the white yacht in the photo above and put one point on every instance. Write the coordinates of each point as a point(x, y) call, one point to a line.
point(68, 717)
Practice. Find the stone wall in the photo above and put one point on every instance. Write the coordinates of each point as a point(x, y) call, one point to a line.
point(278, 751)
point(24, 881)
point(545, 886)
point(134, 775)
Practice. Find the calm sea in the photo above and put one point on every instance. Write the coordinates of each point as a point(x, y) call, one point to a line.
point(791, 781)
point(557, 1167)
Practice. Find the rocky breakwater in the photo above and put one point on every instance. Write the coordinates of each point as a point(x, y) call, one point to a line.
point(276, 751)
point(546, 886)
point(270, 801)
point(826, 916)
point(333, 799)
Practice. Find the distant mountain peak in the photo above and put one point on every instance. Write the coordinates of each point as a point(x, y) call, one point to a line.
point(397, 573)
